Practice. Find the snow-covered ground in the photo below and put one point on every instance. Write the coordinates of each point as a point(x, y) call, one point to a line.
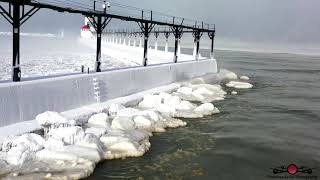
point(133, 53)
point(75, 141)
point(50, 55)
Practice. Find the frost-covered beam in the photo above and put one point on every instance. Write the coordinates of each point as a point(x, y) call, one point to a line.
point(211, 36)
point(146, 30)
point(167, 34)
point(197, 35)
point(177, 32)
point(99, 26)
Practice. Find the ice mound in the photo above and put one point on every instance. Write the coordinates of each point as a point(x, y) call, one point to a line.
point(125, 143)
point(141, 122)
point(174, 107)
point(150, 101)
point(97, 131)
point(201, 93)
point(206, 109)
point(68, 135)
point(52, 120)
point(123, 123)
point(239, 85)
point(7, 143)
point(99, 120)
point(114, 108)
point(246, 78)
point(19, 154)
point(231, 75)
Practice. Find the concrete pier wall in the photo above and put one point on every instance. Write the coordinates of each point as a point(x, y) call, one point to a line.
point(24, 100)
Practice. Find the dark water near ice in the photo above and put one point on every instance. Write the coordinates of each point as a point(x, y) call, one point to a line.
point(274, 124)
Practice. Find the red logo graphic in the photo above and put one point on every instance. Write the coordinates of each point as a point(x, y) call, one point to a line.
point(292, 169)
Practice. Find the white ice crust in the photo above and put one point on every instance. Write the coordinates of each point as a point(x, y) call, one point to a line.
point(239, 85)
point(246, 78)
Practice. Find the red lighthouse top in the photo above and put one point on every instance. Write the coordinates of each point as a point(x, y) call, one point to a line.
point(85, 27)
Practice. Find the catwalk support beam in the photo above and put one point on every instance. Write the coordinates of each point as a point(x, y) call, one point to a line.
point(146, 29)
point(99, 25)
point(16, 18)
point(156, 34)
point(212, 36)
point(177, 32)
point(197, 35)
point(166, 35)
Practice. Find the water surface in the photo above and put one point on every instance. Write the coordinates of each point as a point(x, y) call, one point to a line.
point(274, 124)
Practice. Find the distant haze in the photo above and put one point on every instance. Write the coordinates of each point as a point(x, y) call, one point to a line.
point(286, 22)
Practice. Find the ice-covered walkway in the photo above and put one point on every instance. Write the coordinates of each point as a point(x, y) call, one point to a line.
point(133, 54)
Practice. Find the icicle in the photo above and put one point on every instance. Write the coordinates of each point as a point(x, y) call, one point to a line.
point(156, 45)
point(166, 47)
point(195, 49)
point(179, 47)
point(140, 43)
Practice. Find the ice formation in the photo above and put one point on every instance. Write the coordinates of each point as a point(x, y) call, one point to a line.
point(239, 85)
point(71, 147)
point(231, 75)
point(246, 78)
point(234, 92)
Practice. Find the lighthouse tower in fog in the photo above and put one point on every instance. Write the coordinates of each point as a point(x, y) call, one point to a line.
point(86, 29)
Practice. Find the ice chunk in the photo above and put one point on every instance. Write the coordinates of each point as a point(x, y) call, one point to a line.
point(114, 108)
point(239, 85)
point(142, 122)
point(203, 91)
point(206, 109)
point(123, 123)
point(150, 101)
point(172, 101)
point(164, 96)
point(152, 115)
point(89, 153)
point(99, 120)
point(185, 106)
point(33, 141)
point(69, 135)
point(49, 118)
point(197, 96)
point(96, 131)
point(231, 75)
point(185, 90)
point(54, 144)
point(234, 92)
point(166, 109)
point(19, 154)
point(91, 141)
point(7, 143)
point(47, 154)
point(129, 112)
point(246, 78)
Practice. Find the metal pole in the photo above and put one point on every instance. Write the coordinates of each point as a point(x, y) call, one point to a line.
point(212, 47)
point(176, 44)
point(16, 75)
point(198, 45)
point(98, 57)
point(146, 35)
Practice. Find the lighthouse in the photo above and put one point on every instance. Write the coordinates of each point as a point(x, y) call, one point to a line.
point(86, 30)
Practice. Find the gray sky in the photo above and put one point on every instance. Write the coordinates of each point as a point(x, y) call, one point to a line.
point(256, 21)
